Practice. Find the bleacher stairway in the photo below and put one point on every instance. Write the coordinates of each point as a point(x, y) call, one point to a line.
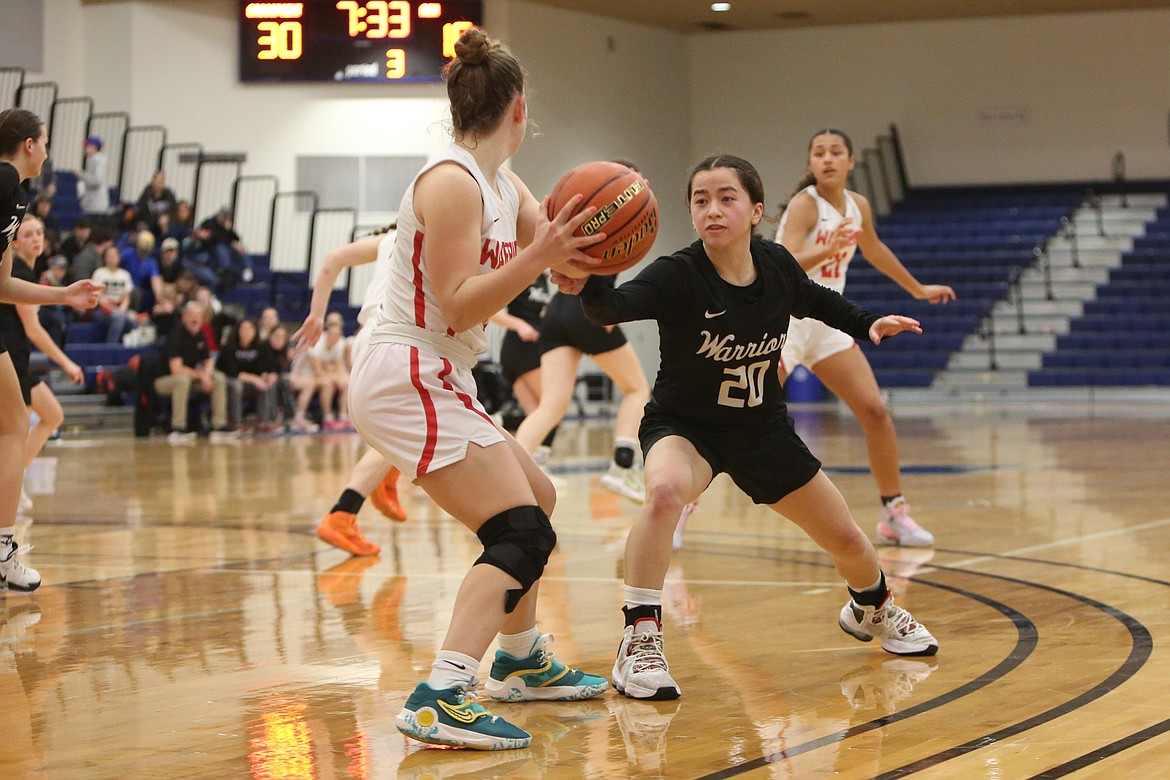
point(1026, 324)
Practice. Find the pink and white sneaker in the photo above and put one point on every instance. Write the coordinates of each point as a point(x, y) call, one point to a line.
point(898, 527)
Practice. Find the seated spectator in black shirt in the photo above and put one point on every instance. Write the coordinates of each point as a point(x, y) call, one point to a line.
point(43, 208)
point(55, 319)
point(89, 259)
point(76, 240)
point(190, 365)
point(251, 371)
point(220, 248)
point(169, 266)
point(156, 200)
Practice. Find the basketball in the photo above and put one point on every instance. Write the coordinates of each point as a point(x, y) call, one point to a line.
point(627, 212)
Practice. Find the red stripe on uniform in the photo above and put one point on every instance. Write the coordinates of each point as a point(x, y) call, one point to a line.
point(420, 298)
point(464, 397)
point(432, 419)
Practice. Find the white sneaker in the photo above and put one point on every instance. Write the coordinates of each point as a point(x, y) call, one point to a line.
point(181, 437)
point(687, 511)
point(899, 632)
point(899, 527)
point(25, 506)
point(14, 574)
point(624, 482)
point(640, 670)
point(225, 436)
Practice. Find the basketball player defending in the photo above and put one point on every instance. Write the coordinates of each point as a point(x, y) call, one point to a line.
point(723, 306)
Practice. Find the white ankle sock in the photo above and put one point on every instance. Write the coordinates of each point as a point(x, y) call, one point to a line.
point(642, 597)
point(450, 669)
point(519, 645)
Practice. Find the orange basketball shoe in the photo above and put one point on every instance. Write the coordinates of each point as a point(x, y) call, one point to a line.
point(384, 497)
point(340, 530)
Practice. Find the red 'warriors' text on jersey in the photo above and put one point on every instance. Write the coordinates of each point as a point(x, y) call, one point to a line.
point(409, 313)
point(830, 272)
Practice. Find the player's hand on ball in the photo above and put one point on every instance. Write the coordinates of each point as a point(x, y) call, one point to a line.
point(569, 285)
point(891, 325)
point(555, 237)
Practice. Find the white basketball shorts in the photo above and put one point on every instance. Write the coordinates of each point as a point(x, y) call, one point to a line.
point(811, 341)
point(417, 409)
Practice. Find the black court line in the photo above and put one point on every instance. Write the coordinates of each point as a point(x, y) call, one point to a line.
point(1140, 650)
point(1113, 748)
point(1026, 641)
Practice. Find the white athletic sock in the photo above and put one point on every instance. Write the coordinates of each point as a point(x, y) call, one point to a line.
point(643, 597)
point(451, 669)
point(519, 645)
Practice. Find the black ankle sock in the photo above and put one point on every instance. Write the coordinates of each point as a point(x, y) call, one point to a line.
point(623, 457)
point(634, 614)
point(888, 499)
point(872, 597)
point(351, 501)
point(548, 440)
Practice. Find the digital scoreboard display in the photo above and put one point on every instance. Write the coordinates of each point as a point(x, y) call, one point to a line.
point(377, 41)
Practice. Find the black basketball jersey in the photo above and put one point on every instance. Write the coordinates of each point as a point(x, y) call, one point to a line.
point(719, 344)
point(13, 202)
point(11, 328)
point(529, 305)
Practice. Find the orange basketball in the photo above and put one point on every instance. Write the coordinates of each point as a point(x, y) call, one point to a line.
point(627, 212)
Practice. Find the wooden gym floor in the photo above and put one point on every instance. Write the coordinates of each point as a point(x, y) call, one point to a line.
point(191, 626)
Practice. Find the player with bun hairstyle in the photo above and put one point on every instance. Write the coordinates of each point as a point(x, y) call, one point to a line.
point(823, 225)
point(723, 306)
point(23, 143)
point(471, 237)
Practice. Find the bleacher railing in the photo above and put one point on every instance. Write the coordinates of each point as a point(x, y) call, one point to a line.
point(142, 149)
point(215, 177)
point(180, 163)
point(291, 230)
point(252, 198)
point(11, 80)
point(38, 97)
point(69, 118)
point(331, 228)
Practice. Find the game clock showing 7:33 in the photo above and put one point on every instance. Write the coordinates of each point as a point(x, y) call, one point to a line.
point(376, 41)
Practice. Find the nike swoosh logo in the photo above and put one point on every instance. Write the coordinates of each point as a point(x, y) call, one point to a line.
point(711, 315)
point(457, 666)
point(461, 714)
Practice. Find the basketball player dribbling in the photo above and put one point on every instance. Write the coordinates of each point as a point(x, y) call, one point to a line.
point(373, 477)
point(471, 237)
point(23, 151)
point(723, 306)
point(823, 225)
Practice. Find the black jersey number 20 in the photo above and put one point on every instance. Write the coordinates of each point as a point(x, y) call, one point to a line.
point(748, 378)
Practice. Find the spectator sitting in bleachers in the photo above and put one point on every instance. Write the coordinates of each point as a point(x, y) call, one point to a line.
point(190, 367)
point(143, 267)
point(44, 185)
point(89, 259)
point(43, 208)
point(219, 248)
point(179, 224)
point(165, 313)
point(113, 310)
point(278, 347)
point(169, 266)
point(95, 195)
point(56, 319)
point(269, 321)
point(251, 376)
point(331, 371)
point(301, 378)
point(156, 200)
point(76, 240)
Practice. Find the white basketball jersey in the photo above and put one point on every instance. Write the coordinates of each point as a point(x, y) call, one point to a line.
point(376, 290)
point(409, 313)
point(830, 272)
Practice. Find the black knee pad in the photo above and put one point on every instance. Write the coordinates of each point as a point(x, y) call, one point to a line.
point(518, 541)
